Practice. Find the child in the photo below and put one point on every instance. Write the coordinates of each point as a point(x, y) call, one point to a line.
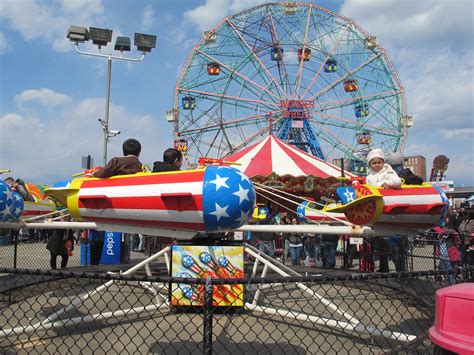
point(172, 161)
point(381, 174)
point(128, 164)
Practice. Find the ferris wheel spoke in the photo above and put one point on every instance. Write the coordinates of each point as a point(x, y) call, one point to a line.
point(347, 75)
point(272, 78)
point(336, 139)
point(233, 98)
point(349, 101)
point(333, 49)
point(237, 73)
point(251, 138)
point(340, 122)
point(300, 68)
point(276, 43)
point(232, 123)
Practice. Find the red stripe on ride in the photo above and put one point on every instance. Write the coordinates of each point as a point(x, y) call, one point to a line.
point(179, 203)
point(241, 153)
point(34, 213)
point(410, 191)
point(264, 155)
point(312, 167)
point(146, 223)
point(156, 178)
point(307, 167)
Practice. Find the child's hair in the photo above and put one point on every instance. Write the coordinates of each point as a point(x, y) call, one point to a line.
point(131, 147)
point(172, 155)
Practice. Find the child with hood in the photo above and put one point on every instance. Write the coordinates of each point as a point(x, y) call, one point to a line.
point(380, 173)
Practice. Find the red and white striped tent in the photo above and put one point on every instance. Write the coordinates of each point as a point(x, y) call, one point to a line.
point(275, 155)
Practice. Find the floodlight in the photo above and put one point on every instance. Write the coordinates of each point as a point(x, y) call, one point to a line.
point(145, 42)
point(100, 36)
point(122, 44)
point(77, 34)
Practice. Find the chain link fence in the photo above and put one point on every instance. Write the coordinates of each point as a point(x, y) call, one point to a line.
point(69, 312)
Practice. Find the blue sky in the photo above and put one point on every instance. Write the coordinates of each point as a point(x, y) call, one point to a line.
point(51, 97)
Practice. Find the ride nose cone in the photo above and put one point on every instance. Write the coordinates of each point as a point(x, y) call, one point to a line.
point(11, 204)
point(228, 198)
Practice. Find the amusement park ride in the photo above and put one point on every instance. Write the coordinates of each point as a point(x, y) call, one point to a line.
point(270, 71)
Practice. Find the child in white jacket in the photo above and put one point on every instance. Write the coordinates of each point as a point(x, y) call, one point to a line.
point(381, 174)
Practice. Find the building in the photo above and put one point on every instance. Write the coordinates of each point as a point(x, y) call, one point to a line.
point(417, 164)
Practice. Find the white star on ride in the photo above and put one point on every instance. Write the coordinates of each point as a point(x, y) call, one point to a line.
point(220, 212)
point(243, 194)
point(349, 195)
point(219, 182)
point(243, 177)
point(8, 209)
point(243, 217)
point(8, 193)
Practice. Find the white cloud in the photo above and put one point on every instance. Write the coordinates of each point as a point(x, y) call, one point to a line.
point(460, 133)
point(46, 97)
point(207, 16)
point(4, 45)
point(406, 23)
point(49, 21)
point(57, 143)
point(148, 18)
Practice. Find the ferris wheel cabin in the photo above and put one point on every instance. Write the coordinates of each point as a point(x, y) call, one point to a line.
point(213, 68)
point(364, 138)
point(304, 55)
point(188, 102)
point(330, 66)
point(351, 85)
point(276, 54)
point(361, 109)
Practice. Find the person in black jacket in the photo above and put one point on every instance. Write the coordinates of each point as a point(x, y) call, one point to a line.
point(57, 246)
point(172, 161)
point(395, 159)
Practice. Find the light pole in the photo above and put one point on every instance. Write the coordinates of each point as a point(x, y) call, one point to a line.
point(101, 37)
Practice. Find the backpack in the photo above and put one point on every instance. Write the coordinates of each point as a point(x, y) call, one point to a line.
point(453, 253)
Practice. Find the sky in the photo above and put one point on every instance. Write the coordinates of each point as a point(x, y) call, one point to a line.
point(52, 97)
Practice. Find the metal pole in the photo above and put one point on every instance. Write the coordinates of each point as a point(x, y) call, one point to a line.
point(207, 341)
point(107, 104)
point(15, 250)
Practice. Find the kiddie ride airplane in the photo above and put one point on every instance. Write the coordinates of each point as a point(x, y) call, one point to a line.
point(407, 209)
point(12, 205)
point(179, 204)
point(216, 199)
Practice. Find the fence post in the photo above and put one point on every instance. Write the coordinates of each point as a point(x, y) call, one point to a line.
point(207, 331)
point(15, 251)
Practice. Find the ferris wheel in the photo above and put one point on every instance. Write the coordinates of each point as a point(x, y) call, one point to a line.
point(303, 73)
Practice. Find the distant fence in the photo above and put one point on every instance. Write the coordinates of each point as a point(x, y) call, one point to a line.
point(66, 312)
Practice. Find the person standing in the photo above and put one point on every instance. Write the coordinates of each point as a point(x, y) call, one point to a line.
point(329, 250)
point(266, 240)
point(60, 243)
point(96, 240)
point(295, 245)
